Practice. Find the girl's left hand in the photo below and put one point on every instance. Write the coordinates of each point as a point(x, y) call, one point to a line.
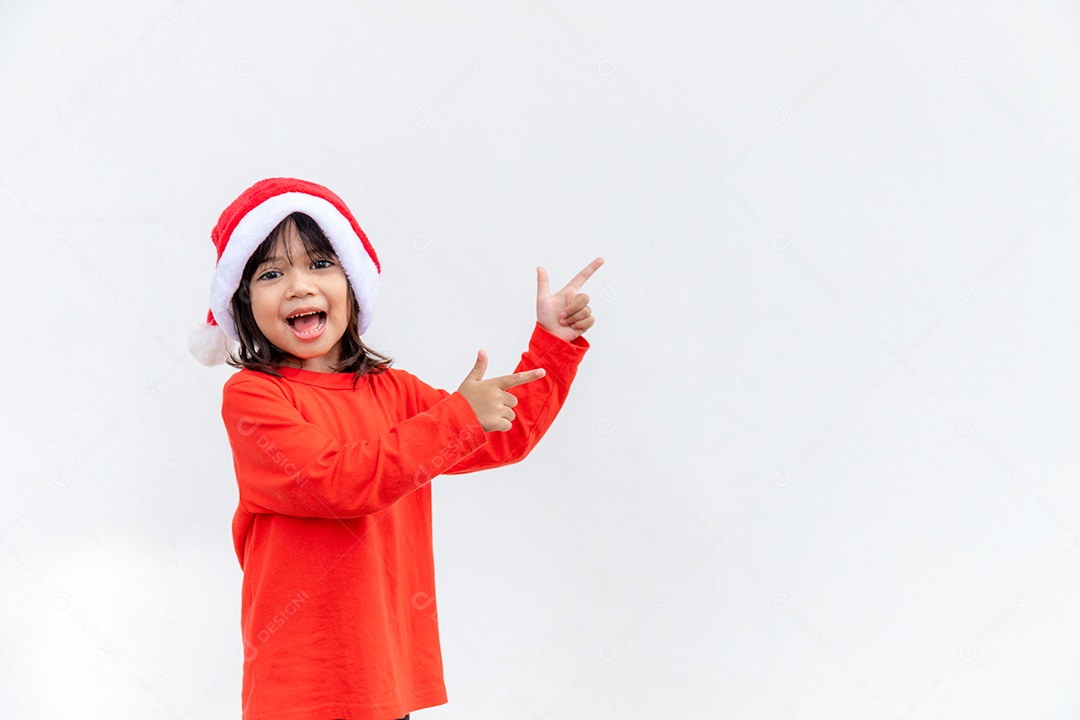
point(565, 314)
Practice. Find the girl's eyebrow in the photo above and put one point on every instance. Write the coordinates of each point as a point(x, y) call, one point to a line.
point(276, 259)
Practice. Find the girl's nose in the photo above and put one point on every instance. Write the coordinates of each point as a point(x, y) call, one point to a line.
point(299, 285)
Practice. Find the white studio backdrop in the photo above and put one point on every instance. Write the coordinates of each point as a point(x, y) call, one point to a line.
point(820, 461)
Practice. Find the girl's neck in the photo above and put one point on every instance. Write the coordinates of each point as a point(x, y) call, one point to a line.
point(322, 364)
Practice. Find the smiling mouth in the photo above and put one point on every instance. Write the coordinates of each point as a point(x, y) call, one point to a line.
point(308, 325)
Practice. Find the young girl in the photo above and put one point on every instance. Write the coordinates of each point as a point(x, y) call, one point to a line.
point(334, 451)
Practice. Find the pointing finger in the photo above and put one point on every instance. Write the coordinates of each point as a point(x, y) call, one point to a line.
point(578, 280)
point(508, 381)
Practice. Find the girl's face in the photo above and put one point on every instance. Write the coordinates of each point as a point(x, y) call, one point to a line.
point(315, 290)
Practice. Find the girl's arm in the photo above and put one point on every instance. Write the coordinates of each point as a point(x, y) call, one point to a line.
point(539, 401)
point(287, 465)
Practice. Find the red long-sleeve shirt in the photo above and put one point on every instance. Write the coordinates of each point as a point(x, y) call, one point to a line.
point(333, 527)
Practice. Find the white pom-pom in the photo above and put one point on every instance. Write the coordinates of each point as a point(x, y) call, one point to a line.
point(208, 344)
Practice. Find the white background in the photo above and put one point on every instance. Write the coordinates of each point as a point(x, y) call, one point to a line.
point(820, 461)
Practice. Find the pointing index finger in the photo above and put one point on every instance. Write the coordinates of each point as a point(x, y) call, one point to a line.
point(578, 280)
point(508, 381)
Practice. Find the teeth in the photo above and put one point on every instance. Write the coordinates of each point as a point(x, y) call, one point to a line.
point(293, 317)
point(291, 320)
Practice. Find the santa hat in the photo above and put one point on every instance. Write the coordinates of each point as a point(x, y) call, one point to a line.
point(248, 221)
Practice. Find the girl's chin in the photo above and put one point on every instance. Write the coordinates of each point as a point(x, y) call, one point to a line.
point(313, 348)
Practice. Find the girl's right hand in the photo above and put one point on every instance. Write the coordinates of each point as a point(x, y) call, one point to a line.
point(489, 399)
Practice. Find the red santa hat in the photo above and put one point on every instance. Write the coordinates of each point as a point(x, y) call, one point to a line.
point(248, 221)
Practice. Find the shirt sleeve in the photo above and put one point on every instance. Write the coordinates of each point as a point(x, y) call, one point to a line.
point(287, 465)
point(539, 401)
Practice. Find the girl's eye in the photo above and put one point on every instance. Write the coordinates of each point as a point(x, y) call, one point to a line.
point(329, 263)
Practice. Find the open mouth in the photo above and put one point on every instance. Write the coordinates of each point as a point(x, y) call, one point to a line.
point(307, 326)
